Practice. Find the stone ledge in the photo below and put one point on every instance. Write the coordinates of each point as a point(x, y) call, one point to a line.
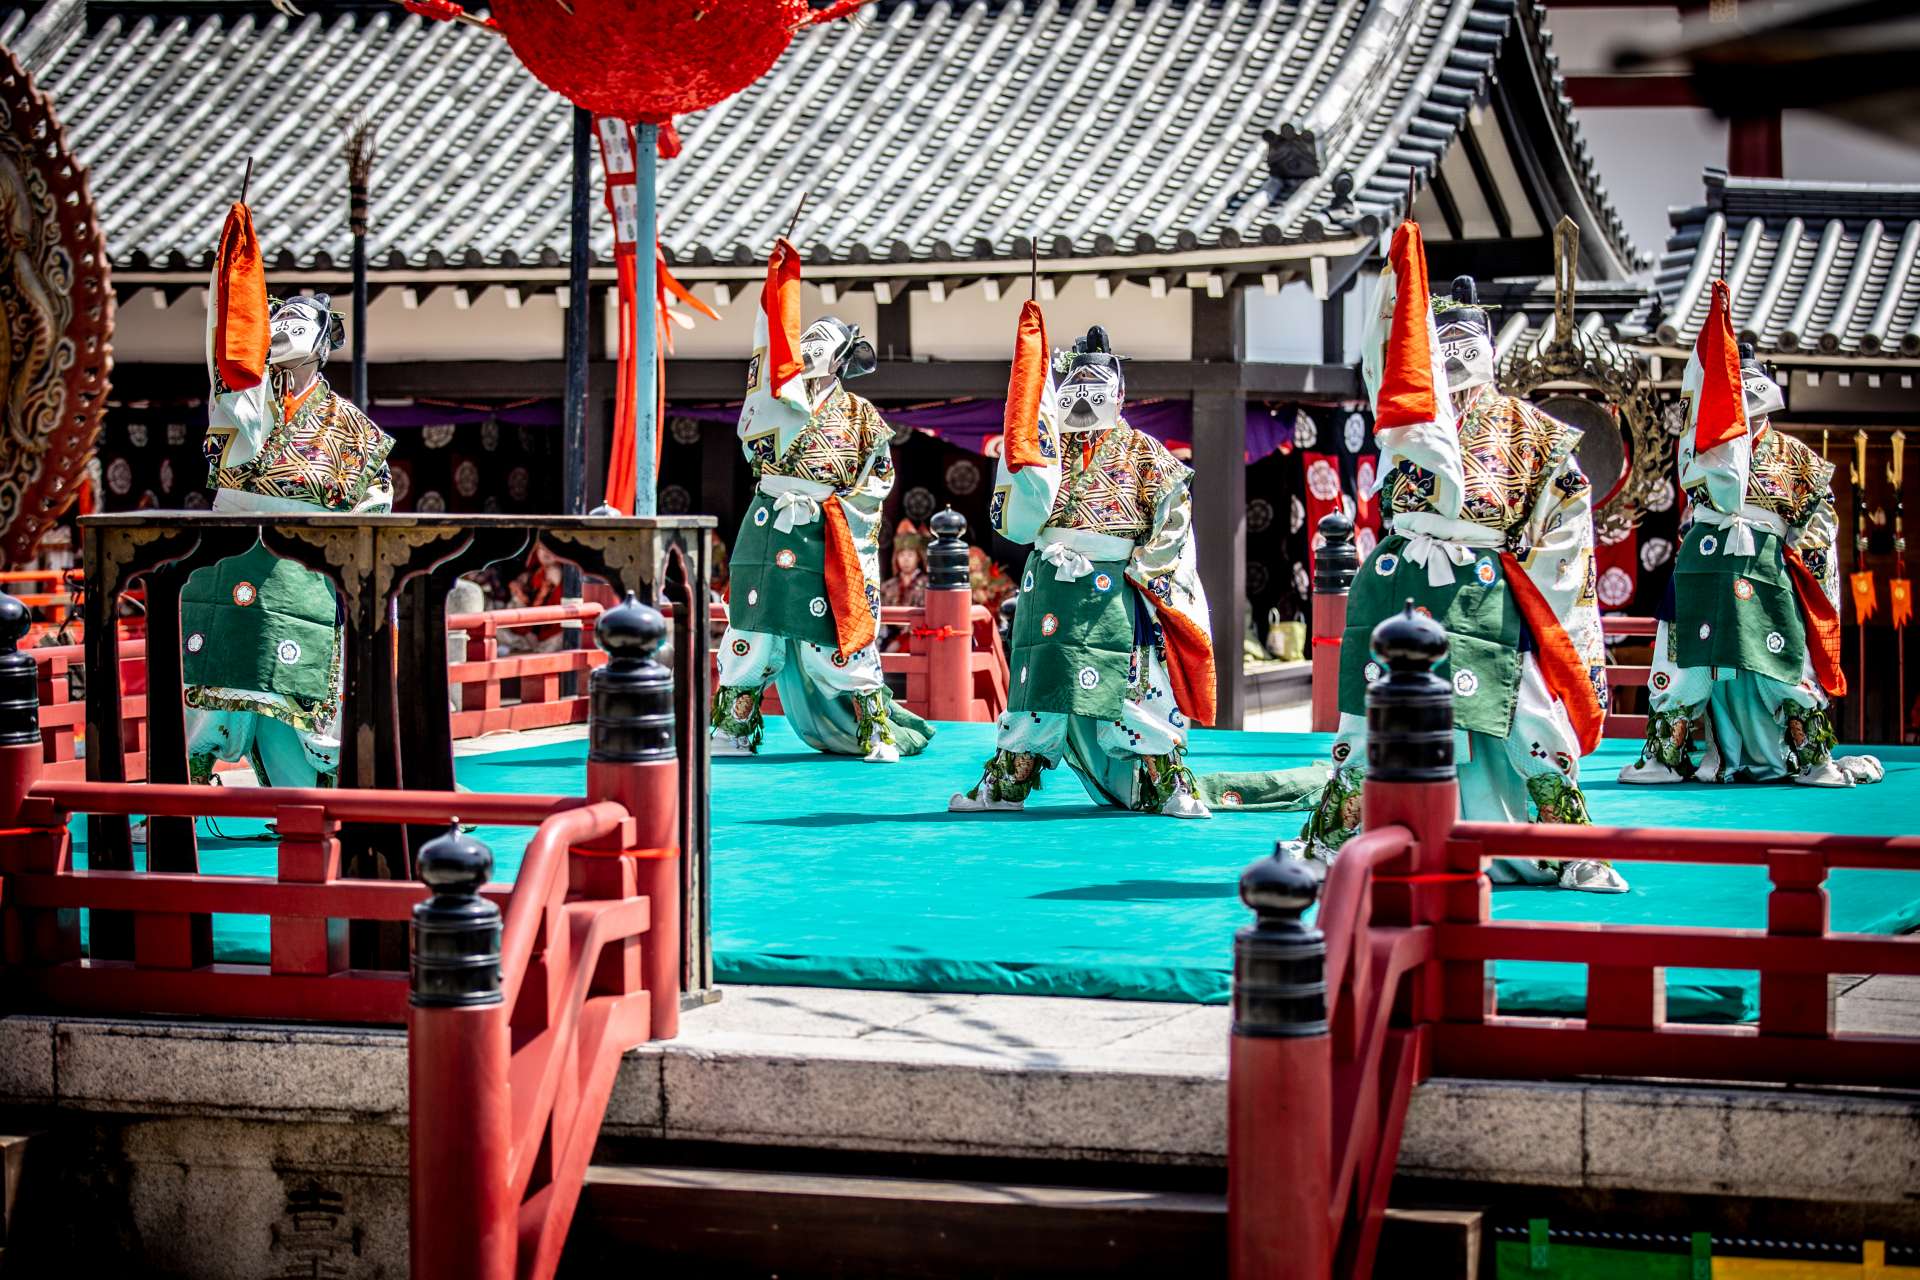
point(1004, 1076)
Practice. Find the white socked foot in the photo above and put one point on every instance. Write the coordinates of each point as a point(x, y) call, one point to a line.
point(1184, 804)
point(1827, 773)
point(977, 801)
point(1650, 773)
point(1862, 768)
point(883, 753)
point(725, 744)
point(1588, 876)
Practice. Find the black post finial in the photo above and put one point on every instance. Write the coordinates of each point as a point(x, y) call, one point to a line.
point(456, 932)
point(947, 566)
point(19, 680)
point(1336, 560)
point(630, 699)
point(1409, 708)
point(1279, 961)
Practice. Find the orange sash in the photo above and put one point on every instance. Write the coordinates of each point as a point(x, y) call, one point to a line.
point(853, 620)
point(1190, 668)
point(1560, 663)
point(1822, 622)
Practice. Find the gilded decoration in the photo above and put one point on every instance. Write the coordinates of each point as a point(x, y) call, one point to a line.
point(1594, 362)
point(56, 317)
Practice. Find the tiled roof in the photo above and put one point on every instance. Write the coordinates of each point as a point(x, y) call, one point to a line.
point(924, 131)
point(1826, 268)
point(1523, 312)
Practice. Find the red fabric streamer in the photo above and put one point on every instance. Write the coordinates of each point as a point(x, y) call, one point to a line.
point(1025, 385)
point(1866, 601)
point(780, 296)
point(1720, 409)
point(1900, 592)
point(240, 335)
point(1560, 663)
point(1407, 393)
point(853, 620)
point(1822, 621)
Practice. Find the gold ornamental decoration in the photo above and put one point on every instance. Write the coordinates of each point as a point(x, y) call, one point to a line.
point(1583, 363)
point(56, 318)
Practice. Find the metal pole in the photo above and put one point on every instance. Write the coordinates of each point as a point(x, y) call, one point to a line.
point(646, 387)
point(360, 310)
point(573, 440)
point(20, 751)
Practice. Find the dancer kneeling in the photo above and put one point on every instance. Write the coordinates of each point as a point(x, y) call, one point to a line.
point(1112, 658)
point(804, 578)
point(1492, 537)
point(1748, 647)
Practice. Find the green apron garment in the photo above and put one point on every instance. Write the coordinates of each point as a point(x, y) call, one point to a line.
point(1483, 633)
point(1072, 641)
point(259, 623)
point(778, 580)
point(1736, 612)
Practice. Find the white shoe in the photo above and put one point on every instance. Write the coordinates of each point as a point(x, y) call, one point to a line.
point(1862, 769)
point(1709, 770)
point(1651, 773)
point(975, 802)
point(883, 753)
point(139, 831)
point(1184, 804)
point(1588, 876)
point(725, 744)
point(1827, 773)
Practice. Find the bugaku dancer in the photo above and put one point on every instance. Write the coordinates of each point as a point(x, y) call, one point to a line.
point(1112, 657)
point(804, 576)
point(263, 648)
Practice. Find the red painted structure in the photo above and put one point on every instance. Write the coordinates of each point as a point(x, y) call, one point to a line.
point(1408, 937)
point(955, 667)
point(506, 1097)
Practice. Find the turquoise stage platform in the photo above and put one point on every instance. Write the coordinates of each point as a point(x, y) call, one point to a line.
point(832, 872)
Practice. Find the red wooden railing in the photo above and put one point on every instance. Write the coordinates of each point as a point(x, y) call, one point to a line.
point(509, 1078)
point(1392, 984)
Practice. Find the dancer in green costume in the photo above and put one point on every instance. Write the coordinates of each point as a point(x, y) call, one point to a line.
point(262, 651)
point(1111, 655)
point(1747, 651)
point(804, 577)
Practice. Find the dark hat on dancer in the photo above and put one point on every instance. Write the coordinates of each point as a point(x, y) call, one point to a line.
point(1464, 331)
point(1763, 395)
point(1089, 382)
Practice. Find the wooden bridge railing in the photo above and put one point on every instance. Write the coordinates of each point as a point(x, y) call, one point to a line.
point(516, 1022)
point(1335, 564)
point(1335, 1022)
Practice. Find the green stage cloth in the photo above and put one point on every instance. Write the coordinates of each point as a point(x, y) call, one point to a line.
point(829, 871)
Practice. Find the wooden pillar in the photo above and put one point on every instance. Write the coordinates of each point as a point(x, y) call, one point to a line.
point(1220, 524)
point(894, 337)
point(1753, 147)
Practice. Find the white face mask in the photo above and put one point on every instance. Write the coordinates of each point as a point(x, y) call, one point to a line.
point(295, 337)
point(818, 345)
point(1762, 394)
point(1088, 398)
point(1466, 345)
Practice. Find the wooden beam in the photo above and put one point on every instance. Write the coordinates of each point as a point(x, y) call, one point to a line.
point(1220, 525)
point(1652, 89)
point(893, 339)
point(1489, 185)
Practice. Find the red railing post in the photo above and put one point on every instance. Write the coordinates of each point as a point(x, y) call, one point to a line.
point(464, 1217)
point(631, 760)
point(1279, 1083)
point(1796, 1004)
point(1334, 564)
point(21, 752)
point(949, 620)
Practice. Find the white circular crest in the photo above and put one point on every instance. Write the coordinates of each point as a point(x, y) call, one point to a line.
point(1386, 564)
point(1706, 629)
point(402, 483)
point(753, 595)
point(437, 437)
point(1259, 515)
point(1655, 552)
point(1465, 683)
point(817, 606)
point(1323, 482)
point(1616, 587)
point(119, 476)
point(1372, 672)
point(137, 434)
point(466, 478)
point(1775, 642)
point(684, 430)
point(196, 642)
point(963, 477)
point(1660, 497)
point(1364, 542)
point(1306, 432)
point(918, 503)
point(1356, 432)
point(431, 501)
point(288, 651)
point(1296, 514)
point(1302, 584)
point(489, 436)
point(1089, 677)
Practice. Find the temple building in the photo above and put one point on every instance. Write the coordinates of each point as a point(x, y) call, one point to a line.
point(953, 157)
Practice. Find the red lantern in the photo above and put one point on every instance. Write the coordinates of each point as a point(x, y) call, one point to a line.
point(650, 60)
